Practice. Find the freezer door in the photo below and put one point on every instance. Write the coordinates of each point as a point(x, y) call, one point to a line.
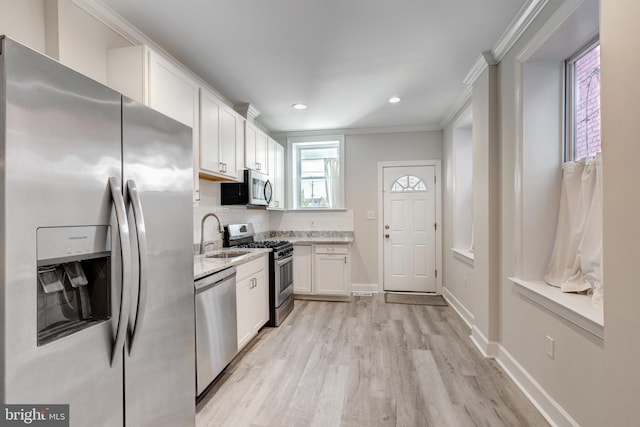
point(160, 356)
point(59, 145)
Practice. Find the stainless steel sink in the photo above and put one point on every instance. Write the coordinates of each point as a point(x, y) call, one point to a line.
point(228, 254)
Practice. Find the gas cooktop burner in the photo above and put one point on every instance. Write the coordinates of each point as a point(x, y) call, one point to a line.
point(263, 244)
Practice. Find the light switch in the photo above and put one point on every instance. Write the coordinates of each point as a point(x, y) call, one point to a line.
point(371, 214)
point(550, 347)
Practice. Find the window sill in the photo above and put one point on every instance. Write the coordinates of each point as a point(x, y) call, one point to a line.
point(464, 255)
point(575, 308)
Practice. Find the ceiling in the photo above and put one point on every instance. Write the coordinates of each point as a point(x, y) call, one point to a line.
point(343, 58)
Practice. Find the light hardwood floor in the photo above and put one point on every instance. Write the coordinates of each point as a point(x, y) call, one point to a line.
point(365, 363)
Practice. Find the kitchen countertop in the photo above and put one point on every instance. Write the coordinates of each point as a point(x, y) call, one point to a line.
point(203, 266)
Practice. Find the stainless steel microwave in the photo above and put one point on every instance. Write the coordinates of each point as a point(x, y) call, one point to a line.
point(256, 190)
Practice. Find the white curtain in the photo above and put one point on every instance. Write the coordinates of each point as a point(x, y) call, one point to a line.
point(331, 181)
point(576, 261)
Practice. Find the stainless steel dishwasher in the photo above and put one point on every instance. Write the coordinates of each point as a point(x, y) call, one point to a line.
point(216, 325)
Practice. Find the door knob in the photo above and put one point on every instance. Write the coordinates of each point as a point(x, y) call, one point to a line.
point(386, 227)
point(386, 235)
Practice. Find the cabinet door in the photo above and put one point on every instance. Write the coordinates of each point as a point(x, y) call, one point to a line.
point(240, 142)
point(250, 138)
point(262, 144)
point(260, 299)
point(244, 307)
point(271, 165)
point(331, 276)
point(302, 269)
point(275, 163)
point(209, 133)
point(175, 94)
point(279, 177)
point(171, 91)
point(228, 139)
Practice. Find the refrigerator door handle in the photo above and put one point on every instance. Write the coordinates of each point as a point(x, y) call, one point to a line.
point(125, 248)
point(141, 234)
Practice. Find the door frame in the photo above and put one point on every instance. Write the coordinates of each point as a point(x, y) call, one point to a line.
point(438, 202)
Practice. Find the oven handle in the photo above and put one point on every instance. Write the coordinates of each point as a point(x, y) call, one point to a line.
point(282, 261)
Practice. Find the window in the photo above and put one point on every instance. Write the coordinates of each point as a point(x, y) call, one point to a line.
point(317, 171)
point(408, 183)
point(583, 103)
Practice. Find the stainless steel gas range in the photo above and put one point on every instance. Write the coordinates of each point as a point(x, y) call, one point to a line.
point(280, 268)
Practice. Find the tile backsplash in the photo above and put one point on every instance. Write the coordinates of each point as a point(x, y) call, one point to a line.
point(263, 220)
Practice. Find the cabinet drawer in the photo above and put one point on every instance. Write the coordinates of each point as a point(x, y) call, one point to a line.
point(332, 249)
point(249, 268)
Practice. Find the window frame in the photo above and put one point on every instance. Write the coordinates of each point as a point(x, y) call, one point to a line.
point(294, 169)
point(570, 122)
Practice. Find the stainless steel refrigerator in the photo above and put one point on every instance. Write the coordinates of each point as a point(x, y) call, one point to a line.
point(96, 299)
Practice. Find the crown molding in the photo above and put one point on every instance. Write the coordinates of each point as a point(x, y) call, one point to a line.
point(509, 37)
point(485, 59)
point(247, 111)
point(458, 105)
point(115, 22)
point(126, 30)
point(564, 11)
point(517, 27)
point(359, 131)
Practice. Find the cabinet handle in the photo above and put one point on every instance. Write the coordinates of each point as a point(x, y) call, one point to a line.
point(345, 260)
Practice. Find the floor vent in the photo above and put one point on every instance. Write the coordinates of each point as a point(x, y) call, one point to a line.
point(361, 294)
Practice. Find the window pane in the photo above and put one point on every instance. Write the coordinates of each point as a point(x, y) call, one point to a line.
point(587, 104)
point(313, 193)
point(408, 183)
point(315, 170)
point(312, 168)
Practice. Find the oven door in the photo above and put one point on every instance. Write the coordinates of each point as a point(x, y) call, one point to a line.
point(283, 279)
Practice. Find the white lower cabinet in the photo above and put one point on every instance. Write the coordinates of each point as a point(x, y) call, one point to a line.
point(322, 271)
point(252, 299)
point(302, 262)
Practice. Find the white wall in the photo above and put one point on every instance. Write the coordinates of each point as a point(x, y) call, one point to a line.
point(574, 379)
point(83, 41)
point(620, 41)
point(23, 21)
point(363, 152)
point(457, 280)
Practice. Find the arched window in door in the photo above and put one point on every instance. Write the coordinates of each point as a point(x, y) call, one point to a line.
point(408, 183)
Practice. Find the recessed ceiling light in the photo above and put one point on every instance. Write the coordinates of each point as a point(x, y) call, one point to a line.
point(299, 106)
point(394, 99)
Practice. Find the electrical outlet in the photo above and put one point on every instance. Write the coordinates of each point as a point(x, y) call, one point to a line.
point(550, 347)
point(371, 214)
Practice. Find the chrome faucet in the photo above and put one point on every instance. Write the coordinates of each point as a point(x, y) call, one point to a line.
point(204, 218)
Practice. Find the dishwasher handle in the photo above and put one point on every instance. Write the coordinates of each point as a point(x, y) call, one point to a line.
point(214, 279)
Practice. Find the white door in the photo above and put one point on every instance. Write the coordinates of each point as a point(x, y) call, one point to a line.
point(409, 218)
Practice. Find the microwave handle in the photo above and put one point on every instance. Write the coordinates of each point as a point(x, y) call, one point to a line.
point(268, 191)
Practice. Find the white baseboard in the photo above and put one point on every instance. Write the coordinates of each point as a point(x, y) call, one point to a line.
point(486, 347)
point(544, 403)
point(548, 407)
point(462, 311)
point(374, 288)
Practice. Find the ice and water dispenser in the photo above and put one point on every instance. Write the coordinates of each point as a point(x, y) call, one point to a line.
point(74, 279)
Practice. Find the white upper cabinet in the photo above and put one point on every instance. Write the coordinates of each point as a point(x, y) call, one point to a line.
point(275, 163)
point(220, 133)
point(255, 148)
point(145, 76)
